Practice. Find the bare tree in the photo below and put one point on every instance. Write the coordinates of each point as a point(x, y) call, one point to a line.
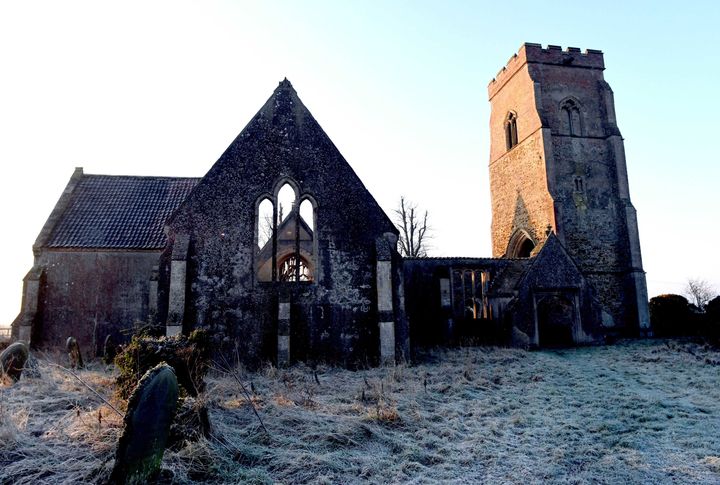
point(699, 292)
point(413, 227)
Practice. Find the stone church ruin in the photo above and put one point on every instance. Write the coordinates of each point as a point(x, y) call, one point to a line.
point(280, 252)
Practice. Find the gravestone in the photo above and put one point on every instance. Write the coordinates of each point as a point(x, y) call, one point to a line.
point(150, 413)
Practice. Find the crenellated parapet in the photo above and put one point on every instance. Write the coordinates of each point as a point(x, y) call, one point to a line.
point(531, 53)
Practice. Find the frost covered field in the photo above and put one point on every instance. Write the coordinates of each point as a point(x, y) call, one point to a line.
point(636, 412)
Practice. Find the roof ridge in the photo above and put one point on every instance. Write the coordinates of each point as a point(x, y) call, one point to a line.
point(161, 177)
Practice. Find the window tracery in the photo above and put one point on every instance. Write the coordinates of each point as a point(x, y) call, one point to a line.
point(285, 235)
point(570, 119)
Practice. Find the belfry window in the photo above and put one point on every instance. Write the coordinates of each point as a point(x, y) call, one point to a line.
point(570, 118)
point(286, 247)
point(511, 134)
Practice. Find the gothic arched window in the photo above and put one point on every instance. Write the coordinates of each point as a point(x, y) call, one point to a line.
point(511, 134)
point(285, 234)
point(520, 245)
point(570, 118)
point(294, 268)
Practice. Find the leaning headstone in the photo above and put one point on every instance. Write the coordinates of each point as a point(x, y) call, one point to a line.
point(12, 360)
point(109, 350)
point(73, 350)
point(150, 413)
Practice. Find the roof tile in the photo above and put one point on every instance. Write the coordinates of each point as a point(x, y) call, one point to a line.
point(119, 212)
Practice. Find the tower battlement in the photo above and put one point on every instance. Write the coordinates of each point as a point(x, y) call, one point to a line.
point(531, 53)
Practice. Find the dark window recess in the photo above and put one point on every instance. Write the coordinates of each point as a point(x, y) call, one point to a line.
point(511, 134)
point(525, 249)
point(579, 184)
point(570, 118)
point(469, 294)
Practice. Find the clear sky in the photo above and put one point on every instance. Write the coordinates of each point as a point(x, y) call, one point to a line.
point(162, 88)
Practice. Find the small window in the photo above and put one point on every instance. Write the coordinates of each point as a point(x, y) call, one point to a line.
point(511, 134)
point(286, 198)
point(579, 184)
point(468, 290)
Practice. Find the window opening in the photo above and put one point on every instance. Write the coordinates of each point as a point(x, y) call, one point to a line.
point(511, 135)
point(520, 245)
point(286, 202)
point(469, 289)
point(570, 118)
point(579, 184)
point(286, 246)
point(575, 122)
point(525, 249)
point(294, 268)
point(264, 222)
point(307, 214)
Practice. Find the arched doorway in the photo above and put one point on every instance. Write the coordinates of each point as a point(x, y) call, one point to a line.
point(555, 321)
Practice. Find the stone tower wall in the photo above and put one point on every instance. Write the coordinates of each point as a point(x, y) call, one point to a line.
point(579, 172)
point(518, 184)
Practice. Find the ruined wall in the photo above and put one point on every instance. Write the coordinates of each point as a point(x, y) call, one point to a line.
point(333, 317)
point(92, 294)
point(431, 304)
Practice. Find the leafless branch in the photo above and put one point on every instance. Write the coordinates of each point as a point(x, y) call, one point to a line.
point(699, 292)
point(413, 229)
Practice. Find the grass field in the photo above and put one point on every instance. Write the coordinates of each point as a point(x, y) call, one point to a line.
point(635, 412)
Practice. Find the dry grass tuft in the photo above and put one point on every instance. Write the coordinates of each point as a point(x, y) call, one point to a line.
point(53, 430)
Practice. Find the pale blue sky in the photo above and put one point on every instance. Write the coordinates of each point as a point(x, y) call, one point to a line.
point(163, 87)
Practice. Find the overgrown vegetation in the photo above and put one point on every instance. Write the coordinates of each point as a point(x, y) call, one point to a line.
point(674, 316)
point(636, 412)
point(189, 356)
point(670, 316)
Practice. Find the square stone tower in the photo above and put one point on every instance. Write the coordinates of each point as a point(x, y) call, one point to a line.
point(557, 163)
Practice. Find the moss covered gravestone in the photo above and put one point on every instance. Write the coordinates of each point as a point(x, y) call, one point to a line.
point(150, 413)
point(13, 359)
